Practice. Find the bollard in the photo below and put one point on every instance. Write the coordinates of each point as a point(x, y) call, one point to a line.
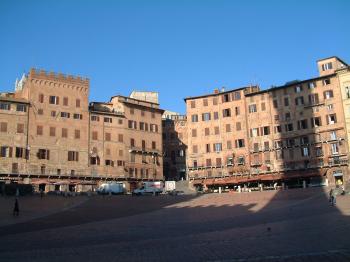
point(304, 184)
point(219, 189)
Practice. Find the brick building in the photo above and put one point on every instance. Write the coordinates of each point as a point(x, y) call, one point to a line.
point(51, 136)
point(174, 145)
point(287, 134)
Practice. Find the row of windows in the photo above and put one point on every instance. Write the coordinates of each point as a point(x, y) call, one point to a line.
point(6, 151)
point(217, 147)
point(55, 100)
point(303, 124)
point(304, 151)
point(312, 98)
point(240, 160)
point(143, 113)
point(108, 162)
point(4, 127)
point(53, 132)
point(143, 144)
point(7, 106)
point(228, 128)
point(105, 119)
point(234, 96)
point(145, 173)
point(19, 152)
point(55, 114)
point(143, 126)
point(208, 116)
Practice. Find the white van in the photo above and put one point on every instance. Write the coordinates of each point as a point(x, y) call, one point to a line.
point(111, 188)
point(155, 188)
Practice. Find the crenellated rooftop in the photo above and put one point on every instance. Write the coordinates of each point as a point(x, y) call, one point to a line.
point(42, 74)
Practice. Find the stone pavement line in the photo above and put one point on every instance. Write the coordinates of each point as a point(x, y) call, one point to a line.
point(48, 213)
point(329, 253)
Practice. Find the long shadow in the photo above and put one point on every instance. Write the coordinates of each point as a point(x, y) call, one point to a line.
point(296, 224)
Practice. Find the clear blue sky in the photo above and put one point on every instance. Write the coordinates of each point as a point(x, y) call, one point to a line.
point(178, 48)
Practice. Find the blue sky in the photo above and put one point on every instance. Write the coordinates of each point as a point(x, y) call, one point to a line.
point(178, 48)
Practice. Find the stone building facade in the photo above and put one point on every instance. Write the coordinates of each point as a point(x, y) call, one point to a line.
point(51, 136)
point(174, 145)
point(291, 134)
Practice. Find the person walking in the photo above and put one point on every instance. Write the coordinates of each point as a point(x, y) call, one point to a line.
point(332, 197)
point(16, 209)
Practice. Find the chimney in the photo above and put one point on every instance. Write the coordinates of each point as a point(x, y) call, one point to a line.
point(216, 91)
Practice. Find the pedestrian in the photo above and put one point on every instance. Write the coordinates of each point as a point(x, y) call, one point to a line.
point(16, 208)
point(332, 197)
point(41, 193)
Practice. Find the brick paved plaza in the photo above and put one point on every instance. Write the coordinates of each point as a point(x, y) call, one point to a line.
point(291, 225)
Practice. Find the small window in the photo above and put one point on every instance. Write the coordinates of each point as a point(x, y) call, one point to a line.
point(41, 98)
point(298, 89)
point(65, 115)
point(217, 147)
point(328, 94)
point(73, 156)
point(289, 127)
point(226, 112)
point(94, 135)
point(216, 115)
point(193, 104)
point(326, 82)
point(239, 143)
point(194, 132)
point(39, 130)
point(327, 66)
point(77, 103)
point(311, 85)
point(225, 98)
point(64, 132)
point(107, 120)
point(77, 134)
point(20, 128)
point(236, 95)
point(78, 116)
point(286, 101)
point(52, 131)
point(275, 104)
point(252, 108)
point(65, 101)
point(5, 106)
point(216, 130)
point(43, 154)
point(205, 102)
point(299, 101)
point(194, 118)
point(237, 111)
point(3, 127)
point(206, 116)
point(54, 100)
point(238, 126)
point(120, 138)
point(95, 118)
point(21, 108)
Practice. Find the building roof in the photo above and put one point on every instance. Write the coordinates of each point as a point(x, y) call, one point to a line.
point(14, 100)
point(290, 84)
point(215, 94)
point(333, 57)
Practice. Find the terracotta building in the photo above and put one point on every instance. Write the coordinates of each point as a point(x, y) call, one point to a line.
point(51, 136)
point(292, 134)
point(174, 145)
